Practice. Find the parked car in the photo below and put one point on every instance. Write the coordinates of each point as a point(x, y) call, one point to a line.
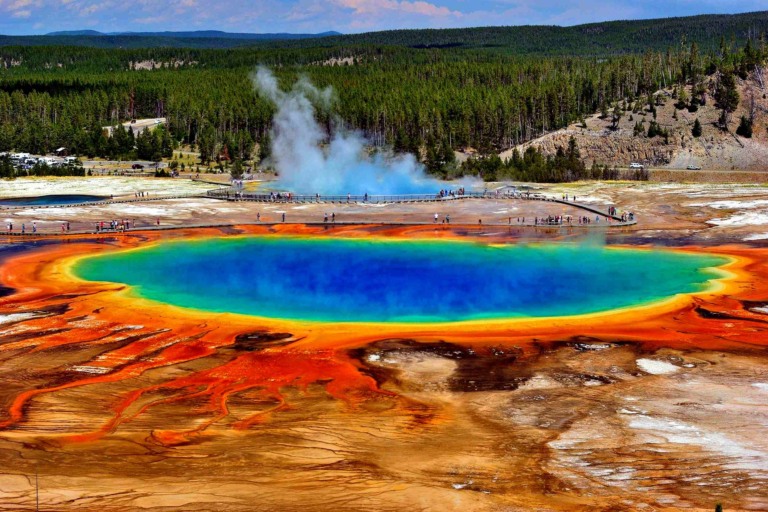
point(635, 165)
point(693, 167)
point(137, 166)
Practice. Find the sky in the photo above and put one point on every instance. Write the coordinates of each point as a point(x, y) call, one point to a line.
point(346, 16)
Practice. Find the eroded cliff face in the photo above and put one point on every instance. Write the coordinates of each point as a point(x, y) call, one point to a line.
point(715, 149)
point(619, 147)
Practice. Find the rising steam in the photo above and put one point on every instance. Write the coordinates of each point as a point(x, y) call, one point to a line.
point(343, 166)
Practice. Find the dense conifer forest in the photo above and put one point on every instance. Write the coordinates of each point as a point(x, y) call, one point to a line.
point(427, 98)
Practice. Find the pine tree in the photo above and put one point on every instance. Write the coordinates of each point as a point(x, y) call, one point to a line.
point(696, 131)
point(237, 169)
point(727, 97)
point(265, 148)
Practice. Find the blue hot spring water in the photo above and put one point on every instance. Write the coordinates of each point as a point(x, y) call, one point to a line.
point(383, 280)
point(50, 200)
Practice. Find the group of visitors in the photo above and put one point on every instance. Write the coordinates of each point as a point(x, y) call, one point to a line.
point(113, 225)
point(451, 193)
point(625, 216)
point(552, 220)
point(280, 196)
point(23, 227)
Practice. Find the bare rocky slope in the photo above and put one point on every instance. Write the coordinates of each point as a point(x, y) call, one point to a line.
point(715, 150)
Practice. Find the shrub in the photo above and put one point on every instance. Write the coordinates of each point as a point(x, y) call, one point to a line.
point(745, 128)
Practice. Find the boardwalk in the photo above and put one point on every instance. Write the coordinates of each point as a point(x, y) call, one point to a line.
point(231, 194)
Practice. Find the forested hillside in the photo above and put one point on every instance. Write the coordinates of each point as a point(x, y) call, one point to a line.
point(426, 101)
point(594, 39)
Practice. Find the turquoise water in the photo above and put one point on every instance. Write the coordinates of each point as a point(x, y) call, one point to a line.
point(55, 199)
point(331, 279)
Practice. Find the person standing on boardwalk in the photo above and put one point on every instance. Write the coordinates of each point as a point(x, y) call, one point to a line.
point(283, 216)
point(436, 217)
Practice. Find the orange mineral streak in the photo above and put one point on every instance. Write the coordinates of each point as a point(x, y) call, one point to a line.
point(130, 337)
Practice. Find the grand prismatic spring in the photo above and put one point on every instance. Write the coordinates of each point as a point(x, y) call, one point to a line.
point(337, 280)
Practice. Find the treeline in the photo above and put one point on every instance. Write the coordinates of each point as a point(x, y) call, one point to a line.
point(438, 99)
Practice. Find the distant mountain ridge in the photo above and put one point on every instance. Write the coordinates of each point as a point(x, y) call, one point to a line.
point(592, 39)
point(202, 34)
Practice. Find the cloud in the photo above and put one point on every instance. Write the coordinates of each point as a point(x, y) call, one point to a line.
point(150, 20)
point(379, 7)
point(87, 10)
point(22, 14)
point(18, 4)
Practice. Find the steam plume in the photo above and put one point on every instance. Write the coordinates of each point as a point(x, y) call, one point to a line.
point(343, 166)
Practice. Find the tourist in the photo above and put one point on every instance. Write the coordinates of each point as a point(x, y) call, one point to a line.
point(258, 217)
point(436, 215)
point(333, 217)
point(158, 221)
point(283, 216)
point(447, 219)
point(325, 218)
point(34, 227)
